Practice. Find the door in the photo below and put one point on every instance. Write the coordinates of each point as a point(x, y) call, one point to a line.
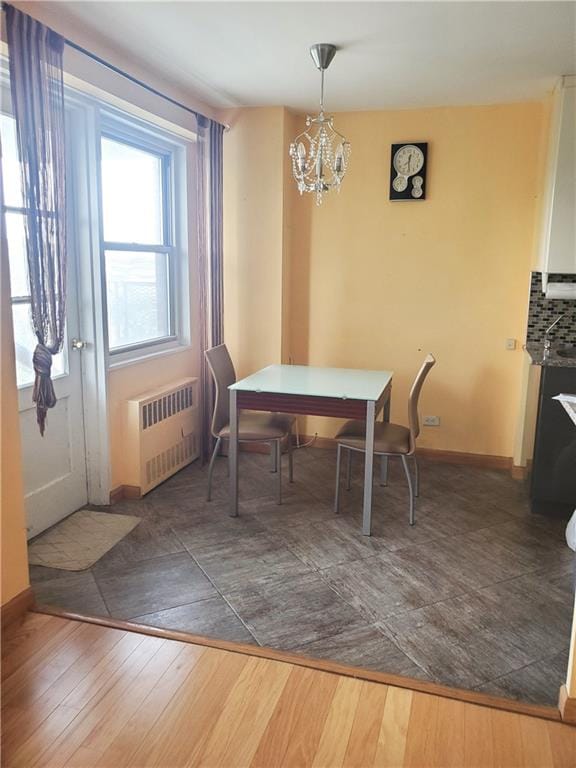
point(54, 466)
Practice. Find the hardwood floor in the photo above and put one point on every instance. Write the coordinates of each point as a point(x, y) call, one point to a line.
point(477, 567)
point(78, 695)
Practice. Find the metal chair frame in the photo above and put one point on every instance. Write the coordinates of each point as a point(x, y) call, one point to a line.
point(413, 483)
point(275, 461)
point(414, 429)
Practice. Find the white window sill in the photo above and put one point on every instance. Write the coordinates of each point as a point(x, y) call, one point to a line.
point(145, 356)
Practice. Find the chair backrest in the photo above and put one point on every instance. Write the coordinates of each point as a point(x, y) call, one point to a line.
point(413, 418)
point(223, 373)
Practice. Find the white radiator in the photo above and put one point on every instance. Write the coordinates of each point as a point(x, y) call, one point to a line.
point(161, 433)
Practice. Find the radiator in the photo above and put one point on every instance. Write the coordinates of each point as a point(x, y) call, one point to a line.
point(161, 433)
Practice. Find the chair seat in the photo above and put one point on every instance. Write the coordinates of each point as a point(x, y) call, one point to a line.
point(388, 438)
point(256, 425)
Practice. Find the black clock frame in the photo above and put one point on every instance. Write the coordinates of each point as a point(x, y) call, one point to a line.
point(407, 193)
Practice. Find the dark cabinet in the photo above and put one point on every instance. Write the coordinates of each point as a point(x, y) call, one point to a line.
point(553, 481)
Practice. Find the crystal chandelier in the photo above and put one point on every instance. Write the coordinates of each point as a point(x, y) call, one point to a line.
point(320, 154)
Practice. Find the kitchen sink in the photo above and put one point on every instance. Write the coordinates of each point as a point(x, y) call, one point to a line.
point(566, 351)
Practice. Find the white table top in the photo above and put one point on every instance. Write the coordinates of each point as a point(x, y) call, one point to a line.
point(307, 380)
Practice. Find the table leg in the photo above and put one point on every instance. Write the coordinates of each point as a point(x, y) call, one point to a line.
point(384, 459)
point(386, 409)
point(233, 454)
point(368, 468)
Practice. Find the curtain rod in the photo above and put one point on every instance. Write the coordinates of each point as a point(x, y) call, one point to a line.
point(131, 78)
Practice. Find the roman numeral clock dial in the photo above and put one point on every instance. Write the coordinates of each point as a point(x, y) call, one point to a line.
point(408, 171)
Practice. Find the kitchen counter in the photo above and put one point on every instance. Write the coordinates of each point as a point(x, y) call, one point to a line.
point(553, 480)
point(552, 360)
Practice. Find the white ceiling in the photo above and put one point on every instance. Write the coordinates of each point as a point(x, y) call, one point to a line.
point(392, 54)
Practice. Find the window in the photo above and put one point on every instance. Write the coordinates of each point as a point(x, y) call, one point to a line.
point(137, 239)
point(139, 226)
point(15, 212)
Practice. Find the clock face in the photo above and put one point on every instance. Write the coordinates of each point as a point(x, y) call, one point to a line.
point(408, 160)
point(408, 163)
point(400, 183)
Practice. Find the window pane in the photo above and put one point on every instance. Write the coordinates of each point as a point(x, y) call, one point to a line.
point(131, 194)
point(25, 343)
point(137, 292)
point(17, 254)
point(10, 163)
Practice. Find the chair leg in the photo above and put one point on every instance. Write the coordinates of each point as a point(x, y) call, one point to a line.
point(383, 470)
point(273, 457)
point(279, 468)
point(416, 478)
point(410, 487)
point(211, 468)
point(337, 491)
point(349, 470)
point(290, 459)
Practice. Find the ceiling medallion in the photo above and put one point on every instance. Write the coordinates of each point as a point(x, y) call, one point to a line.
point(320, 154)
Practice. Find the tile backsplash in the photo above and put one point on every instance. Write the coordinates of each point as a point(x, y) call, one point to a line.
point(542, 311)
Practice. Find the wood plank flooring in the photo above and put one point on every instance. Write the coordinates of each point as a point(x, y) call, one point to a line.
point(78, 695)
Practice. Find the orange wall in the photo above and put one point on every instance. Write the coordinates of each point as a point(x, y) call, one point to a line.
point(14, 571)
point(371, 283)
point(253, 236)
point(377, 284)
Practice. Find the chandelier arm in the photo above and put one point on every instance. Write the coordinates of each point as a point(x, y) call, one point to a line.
point(302, 135)
point(339, 134)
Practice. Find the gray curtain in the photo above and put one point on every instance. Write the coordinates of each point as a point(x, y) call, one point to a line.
point(37, 87)
point(210, 261)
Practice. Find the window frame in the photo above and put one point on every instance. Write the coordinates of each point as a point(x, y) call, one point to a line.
point(132, 132)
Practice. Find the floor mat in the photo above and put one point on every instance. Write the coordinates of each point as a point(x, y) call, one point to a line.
point(80, 540)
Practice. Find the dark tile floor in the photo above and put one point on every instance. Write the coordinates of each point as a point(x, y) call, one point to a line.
point(478, 594)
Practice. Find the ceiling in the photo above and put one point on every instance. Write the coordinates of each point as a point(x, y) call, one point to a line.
point(391, 54)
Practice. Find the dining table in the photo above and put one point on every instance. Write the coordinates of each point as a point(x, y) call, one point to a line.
point(306, 390)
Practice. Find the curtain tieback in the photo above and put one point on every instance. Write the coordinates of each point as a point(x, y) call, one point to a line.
point(43, 394)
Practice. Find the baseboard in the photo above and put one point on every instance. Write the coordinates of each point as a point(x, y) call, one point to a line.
point(521, 473)
point(567, 706)
point(398, 681)
point(125, 492)
point(482, 460)
point(15, 609)
point(247, 447)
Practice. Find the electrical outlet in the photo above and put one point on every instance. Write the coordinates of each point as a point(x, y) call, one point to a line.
point(510, 344)
point(431, 421)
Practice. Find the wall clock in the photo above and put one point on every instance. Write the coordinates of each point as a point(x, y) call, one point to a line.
point(408, 171)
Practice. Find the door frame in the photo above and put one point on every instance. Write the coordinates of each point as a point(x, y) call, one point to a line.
point(85, 214)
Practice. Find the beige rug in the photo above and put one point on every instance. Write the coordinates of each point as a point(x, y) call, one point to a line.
point(80, 540)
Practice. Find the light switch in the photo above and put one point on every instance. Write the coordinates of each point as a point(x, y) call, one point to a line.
point(511, 344)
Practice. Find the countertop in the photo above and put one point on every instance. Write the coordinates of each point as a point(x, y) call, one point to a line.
point(536, 352)
point(569, 403)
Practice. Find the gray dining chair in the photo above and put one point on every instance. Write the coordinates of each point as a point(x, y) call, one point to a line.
point(389, 440)
point(253, 426)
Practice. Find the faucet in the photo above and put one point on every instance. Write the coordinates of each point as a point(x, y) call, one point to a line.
point(547, 342)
